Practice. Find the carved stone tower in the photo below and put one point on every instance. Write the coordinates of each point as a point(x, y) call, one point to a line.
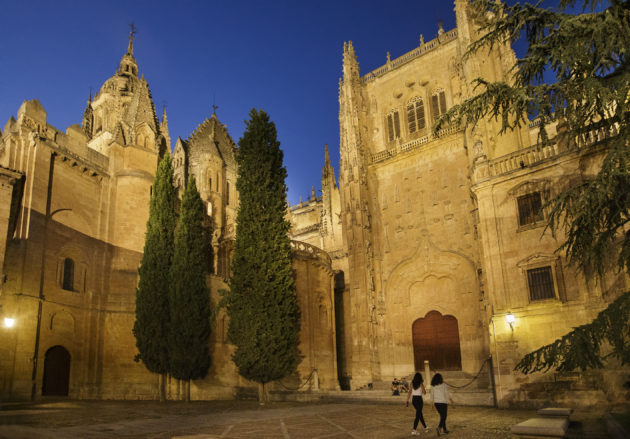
point(355, 214)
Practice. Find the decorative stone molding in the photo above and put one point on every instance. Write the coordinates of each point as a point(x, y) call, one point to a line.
point(302, 250)
point(446, 37)
point(413, 145)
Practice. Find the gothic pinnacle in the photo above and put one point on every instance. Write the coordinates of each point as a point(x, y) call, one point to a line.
point(132, 32)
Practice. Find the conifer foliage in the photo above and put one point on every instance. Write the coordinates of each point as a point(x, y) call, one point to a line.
point(584, 45)
point(587, 346)
point(189, 295)
point(152, 294)
point(261, 301)
point(589, 96)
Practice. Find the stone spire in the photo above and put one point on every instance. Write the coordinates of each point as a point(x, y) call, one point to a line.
point(350, 64)
point(128, 64)
point(124, 109)
point(88, 117)
point(132, 32)
point(328, 169)
point(164, 129)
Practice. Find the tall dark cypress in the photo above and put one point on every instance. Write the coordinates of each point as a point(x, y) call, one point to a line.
point(261, 301)
point(152, 307)
point(190, 297)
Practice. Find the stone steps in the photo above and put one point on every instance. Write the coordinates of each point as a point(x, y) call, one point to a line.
point(575, 398)
point(472, 397)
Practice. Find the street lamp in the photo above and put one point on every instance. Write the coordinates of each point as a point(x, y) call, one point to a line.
point(9, 322)
point(510, 319)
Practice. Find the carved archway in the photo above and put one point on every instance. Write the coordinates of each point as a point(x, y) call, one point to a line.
point(436, 339)
point(56, 372)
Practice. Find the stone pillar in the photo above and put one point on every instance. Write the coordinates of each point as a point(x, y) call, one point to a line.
point(427, 374)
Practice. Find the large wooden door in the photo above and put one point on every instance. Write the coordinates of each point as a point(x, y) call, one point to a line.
point(436, 338)
point(56, 372)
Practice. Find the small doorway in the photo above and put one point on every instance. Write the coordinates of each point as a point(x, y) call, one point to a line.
point(56, 372)
point(436, 338)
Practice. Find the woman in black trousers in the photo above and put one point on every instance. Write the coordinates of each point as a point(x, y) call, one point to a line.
point(417, 390)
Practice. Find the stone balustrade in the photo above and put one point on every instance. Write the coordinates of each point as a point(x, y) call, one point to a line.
point(404, 59)
point(521, 158)
point(413, 144)
point(304, 250)
point(537, 153)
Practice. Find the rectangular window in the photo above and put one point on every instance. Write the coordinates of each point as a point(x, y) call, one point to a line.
point(438, 104)
point(442, 102)
point(540, 282)
point(530, 209)
point(227, 193)
point(415, 116)
point(390, 127)
point(436, 107)
point(411, 119)
point(68, 275)
point(393, 126)
point(420, 115)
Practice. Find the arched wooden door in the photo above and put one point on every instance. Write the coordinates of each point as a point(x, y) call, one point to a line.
point(436, 338)
point(56, 372)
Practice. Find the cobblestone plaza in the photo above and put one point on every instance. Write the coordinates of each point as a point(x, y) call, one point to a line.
point(246, 419)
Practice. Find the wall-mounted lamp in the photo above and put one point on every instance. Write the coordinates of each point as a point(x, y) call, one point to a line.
point(510, 319)
point(9, 322)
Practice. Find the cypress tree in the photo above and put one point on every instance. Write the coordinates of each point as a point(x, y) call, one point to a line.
point(189, 295)
point(261, 301)
point(152, 307)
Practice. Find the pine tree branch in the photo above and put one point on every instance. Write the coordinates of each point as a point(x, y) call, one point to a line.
point(582, 347)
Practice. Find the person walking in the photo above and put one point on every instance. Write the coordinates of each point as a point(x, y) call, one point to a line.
point(417, 390)
point(441, 398)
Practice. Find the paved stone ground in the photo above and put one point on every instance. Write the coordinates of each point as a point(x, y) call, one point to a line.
point(246, 419)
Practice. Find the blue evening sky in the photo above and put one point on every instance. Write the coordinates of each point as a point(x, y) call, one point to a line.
point(282, 56)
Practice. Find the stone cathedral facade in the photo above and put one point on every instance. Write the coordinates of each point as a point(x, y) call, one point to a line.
point(437, 239)
point(417, 251)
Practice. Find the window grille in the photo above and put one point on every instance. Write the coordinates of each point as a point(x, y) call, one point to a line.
point(438, 103)
point(68, 275)
point(530, 209)
point(393, 125)
point(415, 115)
point(540, 282)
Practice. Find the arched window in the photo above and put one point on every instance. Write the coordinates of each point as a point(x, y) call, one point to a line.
point(210, 183)
point(68, 275)
point(438, 103)
point(415, 115)
point(393, 125)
